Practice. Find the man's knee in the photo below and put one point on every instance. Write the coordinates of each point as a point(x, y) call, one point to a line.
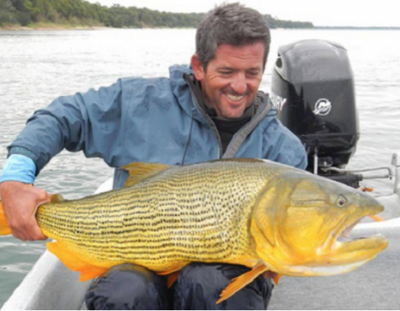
point(199, 286)
point(128, 287)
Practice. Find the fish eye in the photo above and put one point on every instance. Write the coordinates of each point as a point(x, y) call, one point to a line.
point(341, 201)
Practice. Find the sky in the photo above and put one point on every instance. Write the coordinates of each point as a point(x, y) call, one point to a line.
point(358, 13)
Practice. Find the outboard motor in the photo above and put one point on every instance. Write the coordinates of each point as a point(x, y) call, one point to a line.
point(313, 90)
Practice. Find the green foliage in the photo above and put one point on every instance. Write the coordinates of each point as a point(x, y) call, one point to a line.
point(277, 23)
point(78, 12)
point(8, 13)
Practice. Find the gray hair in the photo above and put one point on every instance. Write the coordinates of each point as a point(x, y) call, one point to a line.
point(232, 24)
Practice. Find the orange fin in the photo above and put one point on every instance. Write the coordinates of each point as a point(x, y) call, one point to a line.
point(241, 281)
point(139, 171)
point(376, 218)
point(174, 268)
point(87, 271)
point(4, 227)
point(172, 278)
point(277, 278)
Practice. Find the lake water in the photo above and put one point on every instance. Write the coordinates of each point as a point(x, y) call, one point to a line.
point(37, 66)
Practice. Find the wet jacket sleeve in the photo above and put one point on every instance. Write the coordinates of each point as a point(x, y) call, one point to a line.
point(89, 122)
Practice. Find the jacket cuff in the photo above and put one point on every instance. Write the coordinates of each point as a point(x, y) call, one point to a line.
point(20, 168)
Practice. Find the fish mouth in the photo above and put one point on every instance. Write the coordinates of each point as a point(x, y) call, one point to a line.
point(343, 253)
point(349, 251)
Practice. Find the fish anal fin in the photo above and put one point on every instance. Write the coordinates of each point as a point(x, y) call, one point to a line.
point(4, 227)
point(172, 278)
point(87, 270)
point(173, 273)
point(139, 171)
point(56, 198)
point(241, 281)
point(91, 272)
point(173, 268)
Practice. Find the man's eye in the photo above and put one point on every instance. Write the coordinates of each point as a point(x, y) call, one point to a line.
point(253, 73)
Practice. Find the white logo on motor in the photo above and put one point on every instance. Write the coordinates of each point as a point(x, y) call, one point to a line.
point(322, 107)
point(277, 101)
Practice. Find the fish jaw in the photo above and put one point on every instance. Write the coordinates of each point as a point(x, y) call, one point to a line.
point(301, 235)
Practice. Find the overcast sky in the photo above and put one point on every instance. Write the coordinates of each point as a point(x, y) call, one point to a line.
point(320, 12)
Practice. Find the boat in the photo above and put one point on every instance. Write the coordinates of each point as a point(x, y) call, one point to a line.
point(330, 141)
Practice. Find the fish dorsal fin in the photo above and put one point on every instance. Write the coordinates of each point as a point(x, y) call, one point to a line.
point(139, 171)
point(56, 198)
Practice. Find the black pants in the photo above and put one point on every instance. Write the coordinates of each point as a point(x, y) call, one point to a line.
point(130, 287)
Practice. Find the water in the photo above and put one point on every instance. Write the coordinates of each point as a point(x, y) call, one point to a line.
point(36, 67)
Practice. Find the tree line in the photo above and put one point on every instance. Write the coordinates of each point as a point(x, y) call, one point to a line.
point(83, 13)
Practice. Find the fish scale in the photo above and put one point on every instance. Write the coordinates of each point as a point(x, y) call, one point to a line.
point(181, 214)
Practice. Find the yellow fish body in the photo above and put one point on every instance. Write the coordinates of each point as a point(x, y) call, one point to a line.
point(256, 213)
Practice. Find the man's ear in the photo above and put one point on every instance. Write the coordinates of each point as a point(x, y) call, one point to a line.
point(197, 67)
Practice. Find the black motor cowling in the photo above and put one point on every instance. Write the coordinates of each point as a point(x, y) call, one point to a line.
point(313, 88)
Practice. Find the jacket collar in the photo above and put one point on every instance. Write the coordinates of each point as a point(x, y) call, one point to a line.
point(188, 98)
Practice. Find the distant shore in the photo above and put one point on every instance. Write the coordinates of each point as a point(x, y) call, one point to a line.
point(51, 26)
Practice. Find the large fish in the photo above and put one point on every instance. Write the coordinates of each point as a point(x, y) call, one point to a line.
point(256, 213)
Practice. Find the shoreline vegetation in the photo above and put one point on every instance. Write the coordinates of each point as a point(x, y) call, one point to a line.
point(82, 15)
point(78, 14)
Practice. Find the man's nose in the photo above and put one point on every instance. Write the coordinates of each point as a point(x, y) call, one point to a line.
point(239, 84)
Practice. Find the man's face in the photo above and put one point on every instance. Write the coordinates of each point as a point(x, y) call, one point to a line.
point(232, 78)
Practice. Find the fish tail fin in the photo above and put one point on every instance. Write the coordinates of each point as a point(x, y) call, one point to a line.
point(4, 227)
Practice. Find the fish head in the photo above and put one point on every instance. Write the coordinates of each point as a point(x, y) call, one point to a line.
point(302, 223)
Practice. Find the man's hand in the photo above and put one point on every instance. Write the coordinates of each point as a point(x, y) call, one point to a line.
point(20, 202)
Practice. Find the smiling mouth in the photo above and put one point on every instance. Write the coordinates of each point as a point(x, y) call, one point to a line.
point(235, 98)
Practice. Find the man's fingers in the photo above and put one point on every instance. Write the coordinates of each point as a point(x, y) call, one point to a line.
point(27, 230)
point(42, 196)
point(20, 202)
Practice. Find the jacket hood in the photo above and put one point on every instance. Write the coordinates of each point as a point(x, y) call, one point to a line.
point(182, 92)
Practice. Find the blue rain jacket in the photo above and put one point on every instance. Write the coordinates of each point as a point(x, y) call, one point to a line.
point(150, 120)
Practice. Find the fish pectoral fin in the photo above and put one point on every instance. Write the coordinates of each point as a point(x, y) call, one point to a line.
point(241, 281)
point(56, 198)
point(139, 171)
point(87, 271)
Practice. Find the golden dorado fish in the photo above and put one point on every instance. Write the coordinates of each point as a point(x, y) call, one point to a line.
point(260, 214)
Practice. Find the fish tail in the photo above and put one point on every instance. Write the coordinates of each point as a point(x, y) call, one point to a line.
point(4, 227)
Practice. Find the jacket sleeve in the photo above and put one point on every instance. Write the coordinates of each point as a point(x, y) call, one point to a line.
point(89, 122)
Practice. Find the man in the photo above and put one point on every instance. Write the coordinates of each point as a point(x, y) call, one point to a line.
point(208, 111)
